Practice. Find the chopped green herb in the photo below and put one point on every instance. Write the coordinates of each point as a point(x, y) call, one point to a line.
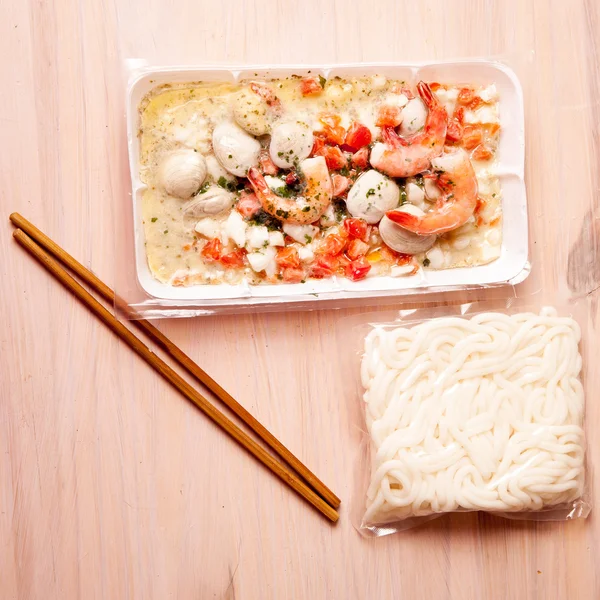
point(306, 209)
point(226, 184)
point(370, 192)
point(308, 238)
point(322, 81)
point(166, 231)
point(154, 219)
point(203, 188)
point(264, 218)
point(426, 262)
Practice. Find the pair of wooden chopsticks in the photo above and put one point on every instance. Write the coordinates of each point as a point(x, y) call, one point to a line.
point(298, 477)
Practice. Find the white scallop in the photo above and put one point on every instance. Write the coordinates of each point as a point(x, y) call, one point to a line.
point(208, 227)
point(462, 242)
point(182, 172)
point(304, 234)
point(257, 236)
point(413, 117)
point(415, 194)
point(432, 191)
point(235, 149)
point(234, 229)
point(436, 258)
point(290, 143)
point(371, 196)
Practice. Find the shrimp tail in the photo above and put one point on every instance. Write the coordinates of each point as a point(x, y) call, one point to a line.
point(426, 94)
point(404, 219)
point(391, 138)
point(258, 182)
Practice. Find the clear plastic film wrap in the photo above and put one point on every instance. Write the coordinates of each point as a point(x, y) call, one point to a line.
point(149, 296)
point(475, 407)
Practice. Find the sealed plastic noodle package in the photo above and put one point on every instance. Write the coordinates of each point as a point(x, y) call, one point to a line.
point(476, 413)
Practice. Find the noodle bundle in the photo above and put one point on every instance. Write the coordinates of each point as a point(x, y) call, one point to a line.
point(483, 413)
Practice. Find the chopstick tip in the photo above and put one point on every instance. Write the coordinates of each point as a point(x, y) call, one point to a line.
point(14, 217)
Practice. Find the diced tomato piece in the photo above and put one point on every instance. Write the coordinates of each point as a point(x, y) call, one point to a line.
point(472, 137)
point(287, 257)
point(360, 159)
point(333, 132)
point(233, 259)
point(476, 103)
point(357, 228)
point(479, 208)
point(323, 266)
point(330, 119)
point(356, 249)
point(293, 275)
point(212, 249)
point(332, 244)
point(310, 85)
point(493, 128)
point(454, 131)
point(393, 257)
point(291, 178)
point(358, 269)
point(340, 184)
point(434, 85)
point(358, 135)
point(318, 145)
point(334, 158)
point(268, 167)
point(459, 114)
point(482, 152)
point(248, 204)
point(343, 262)
point(389, 116)
point(466, 96)
point(335, 135)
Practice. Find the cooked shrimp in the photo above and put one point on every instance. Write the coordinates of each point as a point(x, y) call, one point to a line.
point(404, 157)
point(307, 208)
point(456, 204)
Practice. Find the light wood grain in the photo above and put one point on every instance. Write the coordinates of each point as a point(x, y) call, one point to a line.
point(98, 497)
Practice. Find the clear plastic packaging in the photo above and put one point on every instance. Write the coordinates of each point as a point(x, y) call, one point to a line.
point(469, 407)
point(147, 297)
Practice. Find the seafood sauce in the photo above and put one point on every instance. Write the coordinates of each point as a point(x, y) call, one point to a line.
point(286, 180)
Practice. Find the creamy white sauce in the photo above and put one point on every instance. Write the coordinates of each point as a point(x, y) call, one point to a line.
point(185, 116)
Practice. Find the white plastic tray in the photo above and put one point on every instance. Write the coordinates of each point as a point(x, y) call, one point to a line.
point(510, 268)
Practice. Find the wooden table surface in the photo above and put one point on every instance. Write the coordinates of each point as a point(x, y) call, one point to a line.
point(112, 486)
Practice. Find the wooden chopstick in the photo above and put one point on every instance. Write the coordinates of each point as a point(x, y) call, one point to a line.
point(178, 355)
point(172, 377)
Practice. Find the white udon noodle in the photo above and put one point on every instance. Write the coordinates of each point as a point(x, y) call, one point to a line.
point(483, 413)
